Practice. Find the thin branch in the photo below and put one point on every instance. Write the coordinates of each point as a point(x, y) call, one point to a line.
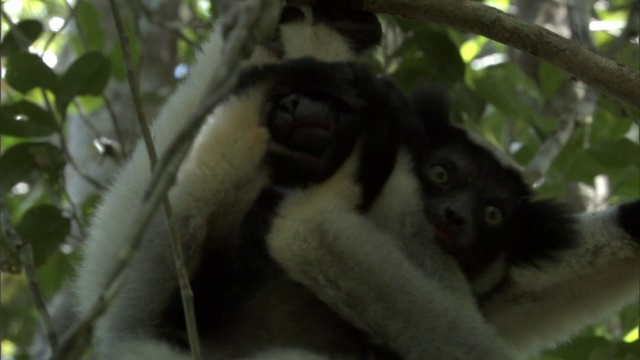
point(67, 21)
point(134, 85)
point(548, 152)
point(578, 100)
point(176, 245)
point(631, 29)
point(20, 37)
point(65, 150)
point(242, 22)
point(616, 78)
point(75, 211)
point(25, 252)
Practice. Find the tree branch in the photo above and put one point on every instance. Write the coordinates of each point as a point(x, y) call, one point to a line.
point(617, 79)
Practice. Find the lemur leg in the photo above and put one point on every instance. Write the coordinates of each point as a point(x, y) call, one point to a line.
point(593, 279)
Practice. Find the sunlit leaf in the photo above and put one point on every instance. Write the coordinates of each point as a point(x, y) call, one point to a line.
point(89, 20)
point(88, 75)
point(20, 37)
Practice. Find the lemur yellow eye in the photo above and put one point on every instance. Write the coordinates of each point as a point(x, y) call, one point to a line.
point(438, 175)
point(493, 215)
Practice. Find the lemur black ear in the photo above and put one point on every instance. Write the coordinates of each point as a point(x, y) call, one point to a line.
point(545, 228)
point(432, 104)
point(629, 218)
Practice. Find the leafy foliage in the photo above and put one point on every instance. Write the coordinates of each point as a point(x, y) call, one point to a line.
point(515, 109)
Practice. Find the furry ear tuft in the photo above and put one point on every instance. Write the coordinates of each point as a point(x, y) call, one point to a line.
point(629, 218)
point(546, 227)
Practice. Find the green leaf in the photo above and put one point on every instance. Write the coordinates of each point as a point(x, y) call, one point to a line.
point(506, 87)
point(616, 153)
point(430, 54)
point(19, 162)
point(441, 56)
point(21, 36)
point(26, 119)
point(45, 228)
point(551, 78)
point(89, 20)
point(26, 71)
point(88, 75)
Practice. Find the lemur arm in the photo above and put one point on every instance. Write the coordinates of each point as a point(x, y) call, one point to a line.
point(221, 176)
point(543, 305)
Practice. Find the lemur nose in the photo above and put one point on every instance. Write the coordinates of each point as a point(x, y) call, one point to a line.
point(304, 124)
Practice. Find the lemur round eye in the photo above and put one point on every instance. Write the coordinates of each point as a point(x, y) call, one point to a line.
point(438, 174)
point(493, 215)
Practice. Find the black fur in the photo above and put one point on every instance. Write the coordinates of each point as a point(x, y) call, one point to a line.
point(629, 218)
point(360, 29)
point(334, 106)
point(532, 230)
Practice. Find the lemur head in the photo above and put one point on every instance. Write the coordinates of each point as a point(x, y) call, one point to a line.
point(340, 31)
point(482, 210)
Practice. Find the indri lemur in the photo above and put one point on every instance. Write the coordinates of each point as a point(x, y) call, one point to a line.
point(364, 247)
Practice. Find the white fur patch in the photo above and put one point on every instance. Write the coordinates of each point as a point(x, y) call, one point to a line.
point(558, 298)
point(318, 41)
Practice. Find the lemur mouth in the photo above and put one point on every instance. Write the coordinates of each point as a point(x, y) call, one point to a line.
point(307, 124)
point(311, 136)
point(446, 239)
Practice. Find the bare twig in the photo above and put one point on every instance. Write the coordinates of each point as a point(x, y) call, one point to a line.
point(65, 150)
point(67, 21)
point(616, 78)
point(548, 152)
point(578, 100)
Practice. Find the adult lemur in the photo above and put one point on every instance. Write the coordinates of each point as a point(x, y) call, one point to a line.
point(378, 269)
